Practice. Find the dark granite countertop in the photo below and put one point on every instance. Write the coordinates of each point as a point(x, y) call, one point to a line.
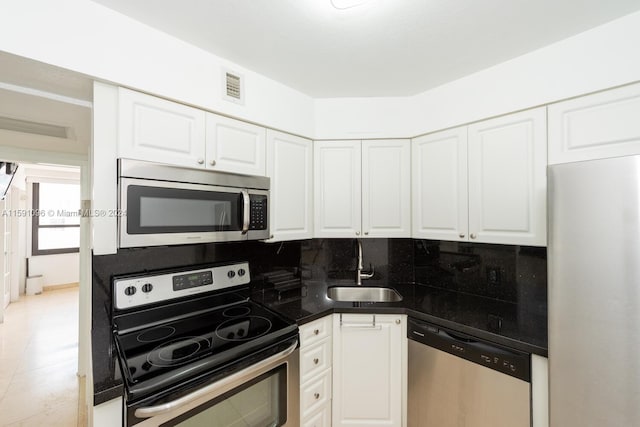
point(493, 320)
point(496, 321)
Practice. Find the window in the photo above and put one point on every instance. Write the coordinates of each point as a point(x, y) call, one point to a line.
point(56, 218)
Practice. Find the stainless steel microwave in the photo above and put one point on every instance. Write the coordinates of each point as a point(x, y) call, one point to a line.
point(171, 205)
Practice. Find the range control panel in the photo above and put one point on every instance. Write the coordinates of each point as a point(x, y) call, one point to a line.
point(137, 290)
point(508, 361)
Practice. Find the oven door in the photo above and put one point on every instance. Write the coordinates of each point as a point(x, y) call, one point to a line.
point(165, 213)
point(264, 394)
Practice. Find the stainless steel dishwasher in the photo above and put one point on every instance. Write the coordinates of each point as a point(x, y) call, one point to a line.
point(455, 380)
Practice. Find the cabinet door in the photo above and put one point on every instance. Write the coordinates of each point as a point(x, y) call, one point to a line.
point(337, 193)
point(369, 370)
point(290, 167)
point(439, 185)
point(596, 126)
point(508, 180)
point(386, 188)
point(158, 130)
point(235, 146)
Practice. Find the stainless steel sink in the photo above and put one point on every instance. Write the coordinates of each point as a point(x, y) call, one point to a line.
point(363, 294)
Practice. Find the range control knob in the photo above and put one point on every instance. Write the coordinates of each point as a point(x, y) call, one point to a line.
point(231, 274)
point(147, 287)
point(241, 272)
point(130, 290)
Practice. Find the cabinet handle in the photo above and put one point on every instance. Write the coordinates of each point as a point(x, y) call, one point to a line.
point(316, 361)
point(366, 233)
point(472, 235)
point(212, 162)
point(461, 235)
point(200, 161)
point(316, 331)
point(357, 233)
point(397, 321)
point(316, 395)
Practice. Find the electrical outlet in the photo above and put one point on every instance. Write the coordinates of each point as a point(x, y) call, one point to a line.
point(494, 281)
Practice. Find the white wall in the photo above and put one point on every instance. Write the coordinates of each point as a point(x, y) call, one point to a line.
point(89, 38)
point(59, 269)
point(597, 59)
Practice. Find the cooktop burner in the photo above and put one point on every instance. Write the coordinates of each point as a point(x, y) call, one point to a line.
point(178, 351)
point(236, 312)
point(243, 328)
point(156, 334)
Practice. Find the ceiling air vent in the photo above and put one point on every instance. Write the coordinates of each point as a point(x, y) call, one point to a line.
point(233, 87)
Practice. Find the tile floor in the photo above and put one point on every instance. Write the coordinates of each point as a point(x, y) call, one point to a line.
point(39, 360)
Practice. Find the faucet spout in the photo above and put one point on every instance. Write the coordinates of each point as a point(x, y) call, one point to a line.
point(362, 275)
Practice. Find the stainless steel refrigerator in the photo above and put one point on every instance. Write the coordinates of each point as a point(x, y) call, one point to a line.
point(594, 293)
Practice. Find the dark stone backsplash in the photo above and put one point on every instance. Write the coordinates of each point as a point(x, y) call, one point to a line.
point(503, 272)
point(336, 259)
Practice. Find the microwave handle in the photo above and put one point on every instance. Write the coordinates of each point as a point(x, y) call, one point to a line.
point(246, 202)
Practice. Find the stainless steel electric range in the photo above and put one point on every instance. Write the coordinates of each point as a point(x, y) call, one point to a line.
point(194, 350)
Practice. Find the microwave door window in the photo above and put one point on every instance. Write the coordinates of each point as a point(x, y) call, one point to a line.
point(168, 210)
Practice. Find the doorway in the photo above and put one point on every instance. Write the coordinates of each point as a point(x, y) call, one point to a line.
point(45, 118)
point(42, 361)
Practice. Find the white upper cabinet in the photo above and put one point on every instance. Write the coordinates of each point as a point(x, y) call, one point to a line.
point(158, 130)
point(440, 209)
point(235, 146)
point(386, 188)
point(483, 183)
point(362, 188)
point(606, 124)
point(337, 192)
point(508, 180)
point(290, 167)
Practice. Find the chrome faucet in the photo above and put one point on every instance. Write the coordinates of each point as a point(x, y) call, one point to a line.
point(360, 275)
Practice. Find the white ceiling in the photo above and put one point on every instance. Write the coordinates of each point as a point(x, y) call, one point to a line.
point(43, 94)
point(380, 48)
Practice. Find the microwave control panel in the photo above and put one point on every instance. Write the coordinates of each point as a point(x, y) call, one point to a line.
point(258, 212)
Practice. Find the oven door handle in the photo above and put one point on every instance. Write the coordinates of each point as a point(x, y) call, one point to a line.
point(216, 387)
point(246, 211)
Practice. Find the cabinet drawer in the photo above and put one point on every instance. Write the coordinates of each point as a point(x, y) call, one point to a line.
point(315, 331)
point(319, 419)
point(315, 393)
point(315, 359)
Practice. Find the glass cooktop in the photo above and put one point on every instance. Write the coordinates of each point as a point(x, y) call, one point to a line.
point(186, 345)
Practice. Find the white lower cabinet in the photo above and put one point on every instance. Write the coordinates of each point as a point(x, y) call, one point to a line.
point(315, 373)
point(322, 418)
point(369, 370)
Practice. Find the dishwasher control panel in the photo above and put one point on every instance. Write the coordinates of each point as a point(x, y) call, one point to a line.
point(508, 361)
